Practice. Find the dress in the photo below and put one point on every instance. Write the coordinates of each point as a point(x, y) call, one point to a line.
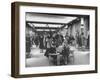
point(36, 40)
point(48, 42)
point(41, 42)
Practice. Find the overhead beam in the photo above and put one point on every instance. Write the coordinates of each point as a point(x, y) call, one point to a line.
point(40, 22)
point(46, 27)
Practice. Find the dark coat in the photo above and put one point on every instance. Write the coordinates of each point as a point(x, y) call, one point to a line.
point(41, 42)
point(50, 51)
point(65, 51)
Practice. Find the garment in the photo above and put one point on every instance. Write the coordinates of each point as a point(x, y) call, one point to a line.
point(71, 39)
point(28, 44)
point(79, 40)
point(48, 41)
point(36, 40)
point(44, 41)
point(67, 38)
point(41, 42)
point(88, 42)
point(83, 39)
point(59, 39)
point(51, 50)
point(65, 54)
point(59, 49)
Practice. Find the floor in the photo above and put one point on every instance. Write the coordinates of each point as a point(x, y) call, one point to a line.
point(38, 59)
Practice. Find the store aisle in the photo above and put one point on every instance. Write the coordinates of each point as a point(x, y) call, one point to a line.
point(38, 59)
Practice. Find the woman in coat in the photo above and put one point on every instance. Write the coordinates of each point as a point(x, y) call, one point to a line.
point(41, 43)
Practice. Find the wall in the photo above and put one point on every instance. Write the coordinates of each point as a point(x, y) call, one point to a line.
point(5, 40)
point(76, 27)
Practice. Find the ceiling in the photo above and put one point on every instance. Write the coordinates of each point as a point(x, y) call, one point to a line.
point(49, 18)
point(47, 22)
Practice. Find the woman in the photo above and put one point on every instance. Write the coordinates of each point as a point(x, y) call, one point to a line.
point(65, 52)
point(41, 43)
point(36, 40)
